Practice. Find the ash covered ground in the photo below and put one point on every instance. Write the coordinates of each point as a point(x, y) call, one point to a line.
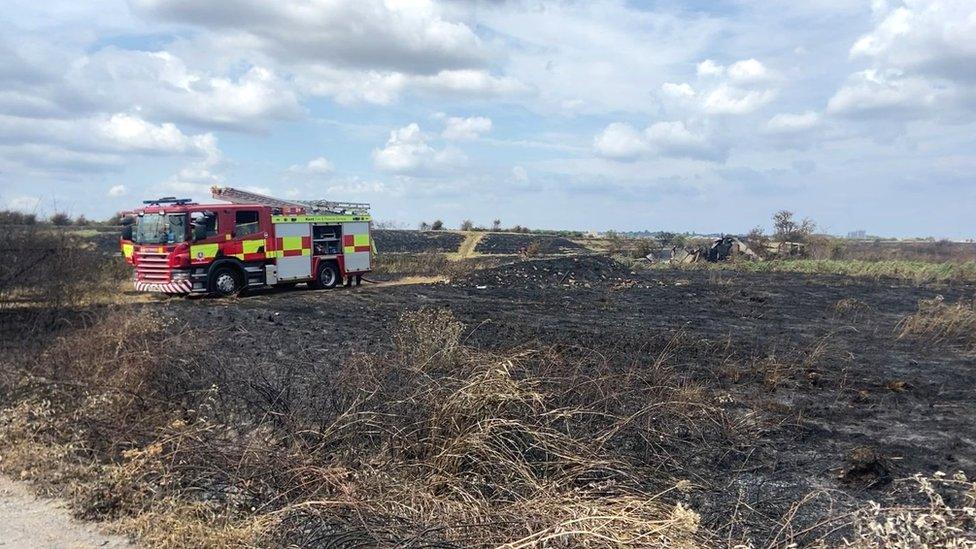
point(509, 243)
point(811, 364)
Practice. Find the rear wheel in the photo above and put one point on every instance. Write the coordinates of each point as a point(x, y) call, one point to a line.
point(327, 276)
point(226, 281)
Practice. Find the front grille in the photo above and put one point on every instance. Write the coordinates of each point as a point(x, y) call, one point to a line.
point(152, 267)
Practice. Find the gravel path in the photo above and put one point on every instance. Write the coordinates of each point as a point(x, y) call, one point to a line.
point(28, 522)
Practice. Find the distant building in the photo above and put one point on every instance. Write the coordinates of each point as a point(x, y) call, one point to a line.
point(857, 235)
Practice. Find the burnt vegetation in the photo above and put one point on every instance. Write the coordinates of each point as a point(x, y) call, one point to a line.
point(568, 401)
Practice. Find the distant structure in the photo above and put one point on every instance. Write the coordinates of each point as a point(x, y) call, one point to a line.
point(857, 235)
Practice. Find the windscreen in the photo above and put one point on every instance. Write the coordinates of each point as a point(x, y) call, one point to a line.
point(159, 229)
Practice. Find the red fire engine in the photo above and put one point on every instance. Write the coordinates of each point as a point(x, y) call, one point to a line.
point(181, 247)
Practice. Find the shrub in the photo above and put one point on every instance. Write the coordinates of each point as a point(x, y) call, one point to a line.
point(60, 219)
point(13, 217)
point(467, 225)
point(437, 225)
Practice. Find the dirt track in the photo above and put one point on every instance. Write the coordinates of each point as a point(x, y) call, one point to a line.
point(27, 522)
point(834, 369)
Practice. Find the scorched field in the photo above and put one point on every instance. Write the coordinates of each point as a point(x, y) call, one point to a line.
point(551, 401)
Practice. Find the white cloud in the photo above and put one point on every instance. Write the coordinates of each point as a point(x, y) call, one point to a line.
point(469, 82)
point(407, 152)
point(160, 85)
point(355, 186)
point(117, 190)
point(198, 176)
point(119, 132)
point(793, 123)
point(709, 68)
point(676, 140)
point(620, 141)
point(392, 35)
point(728, 99)
point(921, 56)
point(748, 71)
point(681, 91)
point(878, 93)
point(520, 175)
point(935, 37)
point(465, 128)
point(315, 166)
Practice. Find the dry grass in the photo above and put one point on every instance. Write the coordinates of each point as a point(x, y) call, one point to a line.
point(433, 442)
point(420, 264)
point(919, 272)
point(937, 322)
point(946, 517)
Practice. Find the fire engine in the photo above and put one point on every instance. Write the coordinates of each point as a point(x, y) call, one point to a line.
point(180, 247)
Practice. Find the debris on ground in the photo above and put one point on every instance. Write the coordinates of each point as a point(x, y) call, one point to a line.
point(726, 248)
point(868, 468)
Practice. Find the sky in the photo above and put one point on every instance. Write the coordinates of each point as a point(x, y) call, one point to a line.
point(590, 115)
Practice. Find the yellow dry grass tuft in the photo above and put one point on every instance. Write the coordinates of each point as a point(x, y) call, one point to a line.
point(937, 322)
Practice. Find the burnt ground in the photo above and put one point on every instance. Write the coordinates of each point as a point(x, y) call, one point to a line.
point(510, 243)
point(815, 381)
point(402, 241)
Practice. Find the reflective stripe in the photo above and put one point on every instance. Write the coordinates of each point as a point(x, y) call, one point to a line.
point(203, 252)
point(176, 287)
point(127, 250)
point(291, 243)
point(252, 246)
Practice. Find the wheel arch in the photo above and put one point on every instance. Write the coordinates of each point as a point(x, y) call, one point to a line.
point(231, 262)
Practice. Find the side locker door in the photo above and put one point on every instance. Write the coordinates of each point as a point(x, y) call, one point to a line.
point(293, 242)
point(355, 246)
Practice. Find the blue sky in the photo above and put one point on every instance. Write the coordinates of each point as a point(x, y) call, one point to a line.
point(664, 115)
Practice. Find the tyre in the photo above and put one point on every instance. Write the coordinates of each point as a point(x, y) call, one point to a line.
point(327, 276)
point(226, 281)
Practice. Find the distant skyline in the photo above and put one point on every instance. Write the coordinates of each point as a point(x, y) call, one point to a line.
point(597, 115)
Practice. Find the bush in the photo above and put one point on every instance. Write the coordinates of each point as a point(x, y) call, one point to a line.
point(60, 219)
point(643, 247)
point(467, 225)
point(437, 225)
point(51, 270)
point(13, 217)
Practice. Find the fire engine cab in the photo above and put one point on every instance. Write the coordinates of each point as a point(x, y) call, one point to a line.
point(181, 247)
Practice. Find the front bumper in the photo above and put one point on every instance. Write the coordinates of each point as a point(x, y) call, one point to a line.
point(174, 287)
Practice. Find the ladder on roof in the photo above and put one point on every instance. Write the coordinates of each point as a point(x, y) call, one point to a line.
point(238, 196)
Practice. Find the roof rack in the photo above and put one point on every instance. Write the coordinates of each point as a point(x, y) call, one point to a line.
point(238, 196)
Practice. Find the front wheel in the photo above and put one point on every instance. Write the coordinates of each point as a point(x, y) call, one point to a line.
point(226, 281)
point(327, 276)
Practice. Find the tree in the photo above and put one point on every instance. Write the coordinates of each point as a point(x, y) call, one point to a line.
point(496, 225)
point(424, 226)
point(60, 219)
point(467, 225)
point(666, 238)
point(82, 221)
point(437, 225)
point(788, 230)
